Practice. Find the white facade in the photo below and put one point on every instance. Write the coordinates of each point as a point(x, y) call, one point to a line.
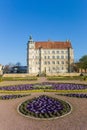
point(40, 60)
point(1, 69)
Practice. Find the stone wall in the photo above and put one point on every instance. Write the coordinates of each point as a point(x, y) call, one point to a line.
point(18, 75)
point(63, 74)
point(48, 74)
point(1, 70)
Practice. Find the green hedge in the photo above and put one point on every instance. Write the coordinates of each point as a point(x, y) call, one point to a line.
point(64, 78)
point(0, 78)
point(19, 78)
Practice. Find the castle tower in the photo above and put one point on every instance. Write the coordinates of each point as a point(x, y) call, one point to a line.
point(30, 55)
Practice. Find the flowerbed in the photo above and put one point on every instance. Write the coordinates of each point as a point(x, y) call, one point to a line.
point(68, 86)
point(17, 87)
point(45, 85)
point(44, 107)
point(75, 95)
point(59, 86)
point(6, 97)
point(42, 86)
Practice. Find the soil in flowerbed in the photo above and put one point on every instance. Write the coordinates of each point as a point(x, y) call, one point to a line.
point(44, 107)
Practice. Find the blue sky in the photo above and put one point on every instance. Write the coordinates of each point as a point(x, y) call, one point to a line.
point(57, 20)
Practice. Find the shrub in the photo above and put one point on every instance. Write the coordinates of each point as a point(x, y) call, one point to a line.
point(19, 78)
point(64, 77)
point(0, 78)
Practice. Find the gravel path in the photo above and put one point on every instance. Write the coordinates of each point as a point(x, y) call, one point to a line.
point(10, 119)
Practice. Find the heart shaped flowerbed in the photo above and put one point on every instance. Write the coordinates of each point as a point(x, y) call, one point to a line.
point(44, 107)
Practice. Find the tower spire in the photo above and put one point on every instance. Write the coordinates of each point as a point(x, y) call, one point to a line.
point(30, 38)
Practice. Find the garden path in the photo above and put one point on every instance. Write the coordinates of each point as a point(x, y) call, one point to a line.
point(10, 119)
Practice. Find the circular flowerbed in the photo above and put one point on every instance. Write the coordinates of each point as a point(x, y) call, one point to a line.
point(44, 107)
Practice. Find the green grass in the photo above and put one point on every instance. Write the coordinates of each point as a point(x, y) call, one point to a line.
point(41, 90)
point(19, 78)
point(65, 78)
point(0, 78)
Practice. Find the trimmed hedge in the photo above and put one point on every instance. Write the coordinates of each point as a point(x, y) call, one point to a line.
point(19, 78)
point(64, 78)
point(0, 78)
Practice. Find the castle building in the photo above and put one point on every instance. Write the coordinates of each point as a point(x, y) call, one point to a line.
point(49, 57)
point(1, 69)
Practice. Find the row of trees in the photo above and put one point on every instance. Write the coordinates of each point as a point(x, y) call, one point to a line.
point(8, 67)
point(81, 64)
point(14, 68)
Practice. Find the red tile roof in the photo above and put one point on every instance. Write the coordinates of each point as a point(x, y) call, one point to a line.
point(53, 45)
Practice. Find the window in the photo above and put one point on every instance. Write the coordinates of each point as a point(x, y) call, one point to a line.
point(62, 68)
point(48, 52)
point(58, 62)
point(57, 51)
point(53, 62)
point(66, 57)
point(44, 57)
point(49, 69)
point(62, 57)
point(66, 52)
point(45, 62)
point(53, 68)
point(57, 68)
point(58, 57)
point(48, 62)
point(48, 57)
point(53, 52)
point(45, 52)
point(53, 57)
point(62, 52)
point(62, 62)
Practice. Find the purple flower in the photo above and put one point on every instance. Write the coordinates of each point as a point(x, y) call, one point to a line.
point(45, 104)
